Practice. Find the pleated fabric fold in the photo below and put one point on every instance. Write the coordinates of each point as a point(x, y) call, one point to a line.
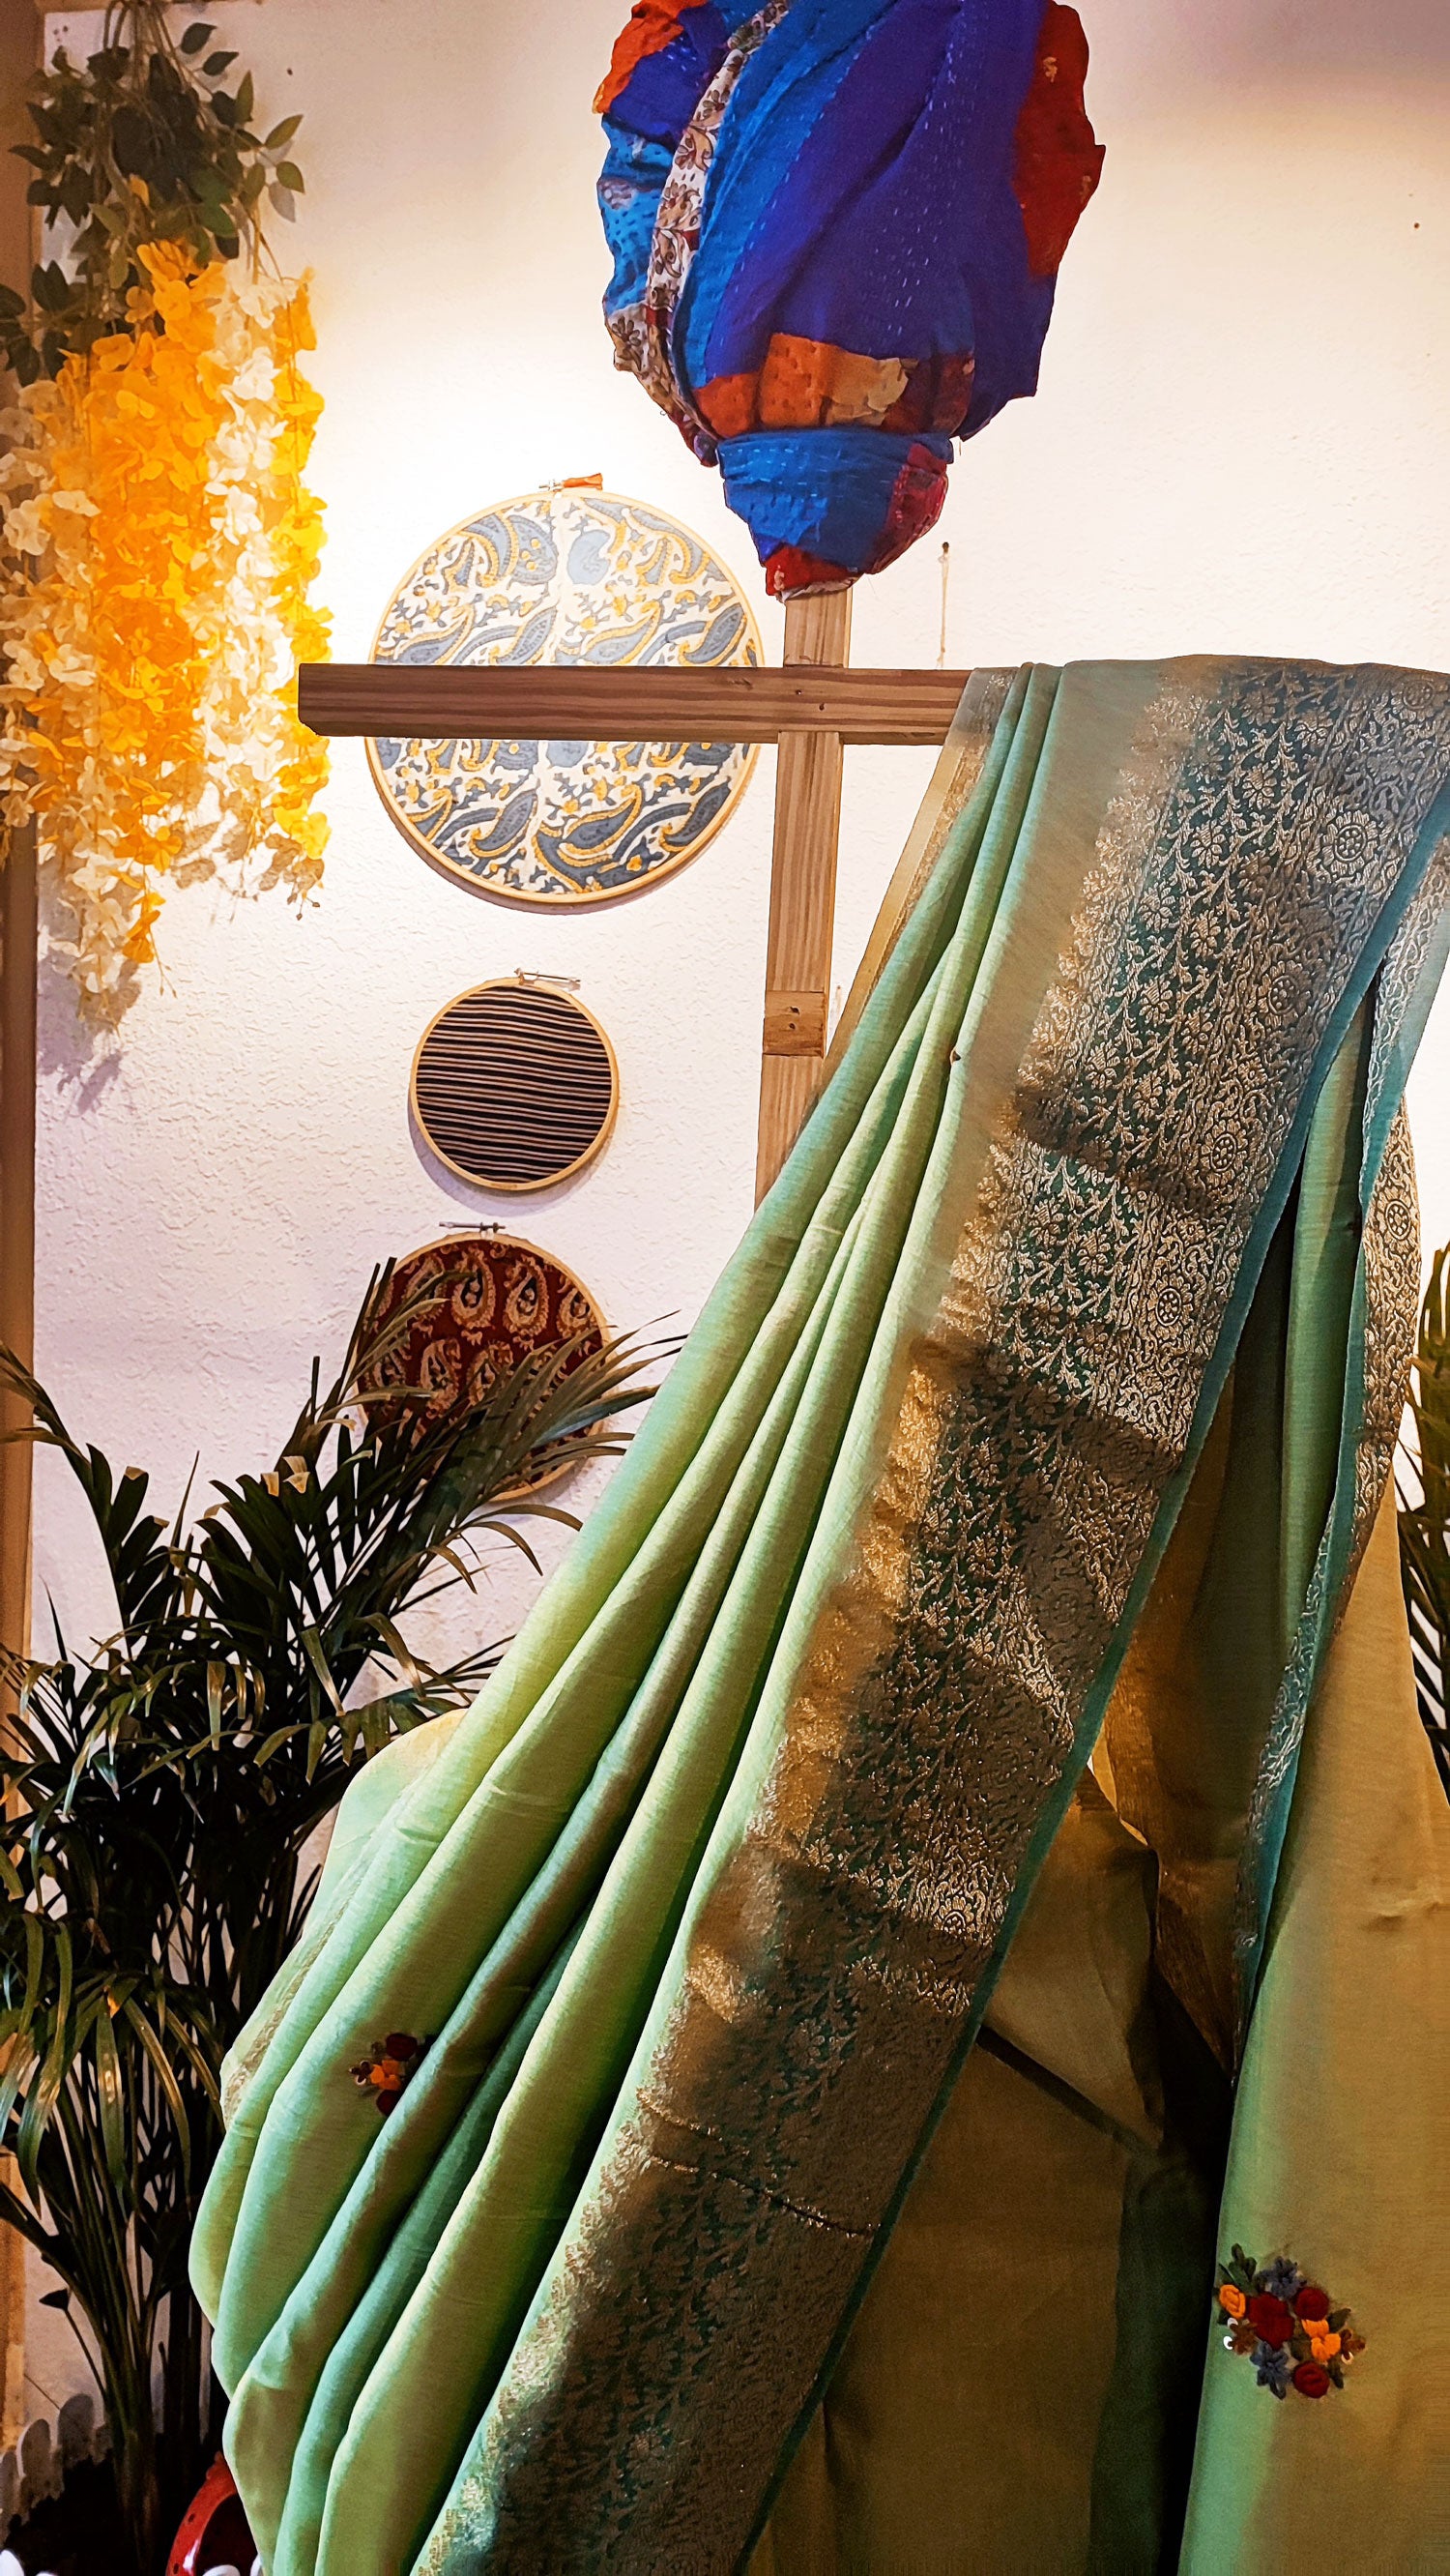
point(702, 1903)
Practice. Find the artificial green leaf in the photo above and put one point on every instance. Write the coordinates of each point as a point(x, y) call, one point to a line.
point(165, 2076)
point(51, 287)
point(110, 2092)
point(289, 176)
point(195, 38)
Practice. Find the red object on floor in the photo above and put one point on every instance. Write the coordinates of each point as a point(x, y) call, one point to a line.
point(214, 2530)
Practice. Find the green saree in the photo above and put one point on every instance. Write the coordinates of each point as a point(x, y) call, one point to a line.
point(1043, 1420)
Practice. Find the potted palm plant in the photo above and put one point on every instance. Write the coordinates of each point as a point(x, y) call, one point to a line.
point(160, 1791)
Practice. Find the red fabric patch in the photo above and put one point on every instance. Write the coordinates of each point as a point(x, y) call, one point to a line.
point(790, 573)
point(651, 25)
point(1058, 159)
point(916, 505)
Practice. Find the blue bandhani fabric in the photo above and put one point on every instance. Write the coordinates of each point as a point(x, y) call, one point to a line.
point(836, 227)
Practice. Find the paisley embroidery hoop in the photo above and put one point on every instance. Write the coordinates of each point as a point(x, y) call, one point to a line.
point(565, 574)
point(498, 1299)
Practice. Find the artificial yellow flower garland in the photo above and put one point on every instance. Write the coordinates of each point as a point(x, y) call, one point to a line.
point(156, 557)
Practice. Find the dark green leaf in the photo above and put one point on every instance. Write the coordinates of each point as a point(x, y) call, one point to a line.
point(195, 37)
point(51, 287)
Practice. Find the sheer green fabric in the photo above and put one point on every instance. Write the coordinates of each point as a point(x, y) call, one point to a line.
point(706, 1899)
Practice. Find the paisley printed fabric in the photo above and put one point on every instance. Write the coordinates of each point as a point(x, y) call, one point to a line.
point(704, 1902)
point(481, 1305)
point(564, 575)
point(836, 232)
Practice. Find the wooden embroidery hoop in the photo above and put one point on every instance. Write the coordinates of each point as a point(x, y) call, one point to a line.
point(517, 983)
point(751, 658)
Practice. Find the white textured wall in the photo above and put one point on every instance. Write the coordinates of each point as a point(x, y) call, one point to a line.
point(1242, 443)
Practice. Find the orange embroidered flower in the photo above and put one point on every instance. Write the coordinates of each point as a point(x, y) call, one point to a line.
point(1231, 2300)
point(1324, 2347)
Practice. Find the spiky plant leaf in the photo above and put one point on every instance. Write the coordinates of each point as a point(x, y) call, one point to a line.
point(159, 1794)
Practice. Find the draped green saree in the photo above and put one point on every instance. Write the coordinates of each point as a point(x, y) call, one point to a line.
point(1042, 1420)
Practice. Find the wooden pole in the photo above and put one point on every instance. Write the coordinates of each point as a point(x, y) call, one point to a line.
point(17, 1328)
point(802, 895)
point(22, 35)
point(17, 1215)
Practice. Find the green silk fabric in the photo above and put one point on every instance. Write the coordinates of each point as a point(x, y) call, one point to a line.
point(704, 1903)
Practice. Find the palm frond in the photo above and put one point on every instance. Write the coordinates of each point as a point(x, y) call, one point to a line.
point(159, 1791)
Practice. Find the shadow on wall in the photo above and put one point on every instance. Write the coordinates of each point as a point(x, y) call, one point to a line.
point(82, 1061)
point(43, 2459)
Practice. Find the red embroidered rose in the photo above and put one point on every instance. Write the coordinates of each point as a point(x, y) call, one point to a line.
point(1312, 2303)
point(1271, 2319)
point(1311, 2379)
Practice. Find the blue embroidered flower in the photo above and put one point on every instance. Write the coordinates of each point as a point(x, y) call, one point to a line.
point(1281, 2278)
point(1271, 2367)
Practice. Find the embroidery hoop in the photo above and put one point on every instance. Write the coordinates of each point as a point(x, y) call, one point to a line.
point(751, 653)
point(565, 1171)
point(473, 1239)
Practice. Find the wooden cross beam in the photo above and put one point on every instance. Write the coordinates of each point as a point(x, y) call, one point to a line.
point(811, 707)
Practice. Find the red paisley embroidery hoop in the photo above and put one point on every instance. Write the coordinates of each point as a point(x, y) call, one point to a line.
point(453, 1323)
